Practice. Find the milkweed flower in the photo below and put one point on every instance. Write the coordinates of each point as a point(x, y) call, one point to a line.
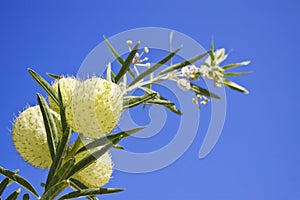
point(184, 84)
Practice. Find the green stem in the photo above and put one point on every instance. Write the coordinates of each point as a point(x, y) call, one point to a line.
point(74, 149)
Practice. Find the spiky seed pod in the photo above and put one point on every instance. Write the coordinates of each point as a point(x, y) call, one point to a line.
point(98, 173)
point(30, 138)
point(67, 86)
point(97, 107)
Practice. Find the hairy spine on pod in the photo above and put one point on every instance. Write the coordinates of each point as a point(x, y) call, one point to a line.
point(97, 107)
point(98, 173)
point(67, 86)
point(30, 137)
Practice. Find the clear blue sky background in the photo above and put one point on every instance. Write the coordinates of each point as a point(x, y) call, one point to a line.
point(257, 156)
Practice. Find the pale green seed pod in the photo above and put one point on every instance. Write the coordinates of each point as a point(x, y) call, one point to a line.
point(67, 86)
point(98, 173)
point(97, 107)
point(30, 138)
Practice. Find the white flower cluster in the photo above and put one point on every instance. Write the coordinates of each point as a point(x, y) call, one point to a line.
point(138, 60)
point(209, 69)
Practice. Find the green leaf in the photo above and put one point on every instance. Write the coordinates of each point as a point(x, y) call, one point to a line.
point(117, 56)
point(212, 49)
point(113, 51)
point(3, 185)
point(50, 126)
point(230, 66)
point(92, 191)
point(126, 65)
point(88, 160)
point(199, 90)
point(182, 64)
point(19, 180)
point(153, 68)
point(76, 184)
point(62, 173)
point(54, 76)
point(234, 86)
point(55, 190)
point(160, 100)
point(14, 195)
point(62, 110)
point(116, 146)
point(109, 139)
point(45, 85)
point(236, 73)
point(131, 101)
point(25, 197)
point(166, 103)
point(60, 154)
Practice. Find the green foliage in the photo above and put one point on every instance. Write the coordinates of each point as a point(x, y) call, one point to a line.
point(64, 164)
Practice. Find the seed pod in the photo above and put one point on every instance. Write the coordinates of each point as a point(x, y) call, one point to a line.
point(67, 86)
point(97, 107)
point(98, 173)
point(30, 137)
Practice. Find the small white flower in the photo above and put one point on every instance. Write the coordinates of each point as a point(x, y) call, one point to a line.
point(185, 71)
point(204, 70)
point(146, 50)
point(184, 84)
point(129, 42)
point(193, 69)
point(189, 71)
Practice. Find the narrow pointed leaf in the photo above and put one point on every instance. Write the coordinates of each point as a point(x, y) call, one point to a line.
point(62, 173)
point(55, 190)
point(230, 66)
point(14, 195)
point(108, 139)
point(50, 126)
point(199, 90)
point(60, 155)
point(113, 51)
point(234, 86)
point(166, 103)
point(25, 197)
point(131, 101)
point(62, 110)
point(45, 85)
point(54, 76)
point(126, 65)
point(77, 185)
point(182, 64)
point(154, 67)
point(92, 191)
point(236, 73)
point(19, 180)
point(212, 49)
point(119, 147)
point(3, 185)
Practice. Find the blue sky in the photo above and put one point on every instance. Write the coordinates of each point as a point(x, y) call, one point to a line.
point(257, 156)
